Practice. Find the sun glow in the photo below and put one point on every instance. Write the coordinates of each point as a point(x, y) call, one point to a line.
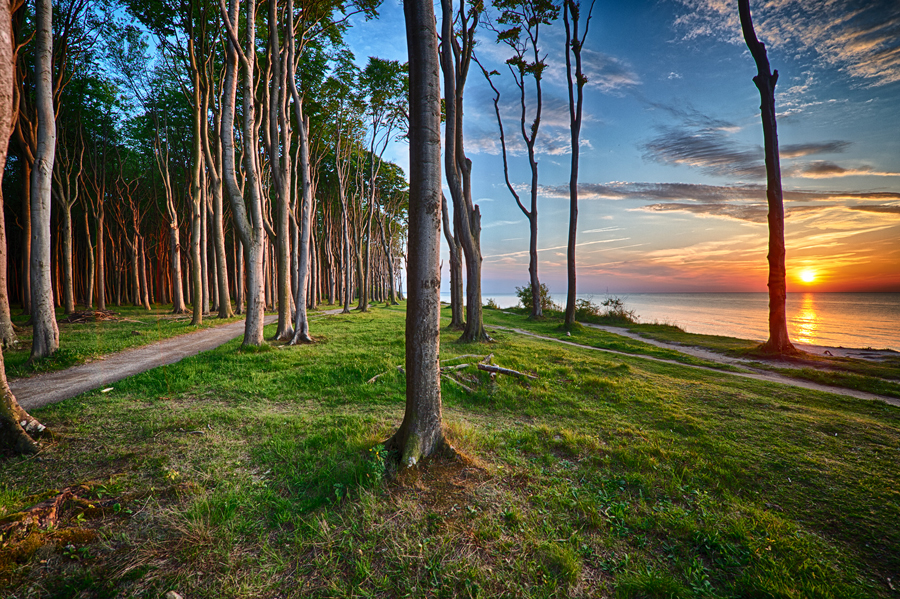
point(808, 275)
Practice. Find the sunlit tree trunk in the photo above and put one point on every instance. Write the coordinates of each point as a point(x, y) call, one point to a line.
point(779, 342)
point(420, 435)
point(456, 278)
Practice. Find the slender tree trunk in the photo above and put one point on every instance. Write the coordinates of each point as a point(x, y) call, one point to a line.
point(45, 334)
point(574, 45)
point(301, 322)
point(7, 331)
point(101, 258)
point(779, 342)
point(456, 283)
point(89, 267)
point(68, 278)
point(25, 277)
point(145, 294)
point(420, 435)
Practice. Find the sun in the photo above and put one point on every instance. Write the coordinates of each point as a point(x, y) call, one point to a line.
point(808, 275)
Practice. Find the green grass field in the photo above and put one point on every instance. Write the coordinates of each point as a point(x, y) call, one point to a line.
point(260, 474)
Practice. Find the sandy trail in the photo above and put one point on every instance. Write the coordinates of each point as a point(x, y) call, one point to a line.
point(759, 375)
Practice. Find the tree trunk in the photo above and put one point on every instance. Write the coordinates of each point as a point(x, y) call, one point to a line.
point(420, 435)
point(779, 342)
point(45, 334)
point(7, 331)
point(145, 295)
point(89, 266)
point(301, 322)
point(100, 264)
point(25, 277)
point(574, 45)
point(68, 278)
point(456, 283)
point(17, 428)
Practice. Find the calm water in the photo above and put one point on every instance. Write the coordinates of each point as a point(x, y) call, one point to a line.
point(833, 319)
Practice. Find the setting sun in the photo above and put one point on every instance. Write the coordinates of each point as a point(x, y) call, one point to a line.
point(807, 276)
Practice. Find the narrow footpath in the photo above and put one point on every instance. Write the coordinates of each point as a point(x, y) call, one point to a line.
point(759, 375)
point(52, 387)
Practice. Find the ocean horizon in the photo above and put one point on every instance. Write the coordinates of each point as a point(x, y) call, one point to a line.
point(853, 320)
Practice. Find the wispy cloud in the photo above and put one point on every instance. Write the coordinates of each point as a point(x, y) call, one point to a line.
point(859, 37)
point(822, 169)
point(501, 223)
point(707, 150)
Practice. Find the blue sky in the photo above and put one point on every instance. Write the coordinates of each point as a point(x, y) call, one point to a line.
point(672, 176)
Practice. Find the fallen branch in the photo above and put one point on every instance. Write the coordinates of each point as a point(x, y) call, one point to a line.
point(487, 359)
point(454, 367)
point(499, 370)
point(377, 376)
point(453, 380)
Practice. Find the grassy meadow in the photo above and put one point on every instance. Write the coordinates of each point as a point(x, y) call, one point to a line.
point(239, 474)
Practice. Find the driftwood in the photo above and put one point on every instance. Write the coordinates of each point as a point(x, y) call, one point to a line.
point(377, 376)
point(453, 380)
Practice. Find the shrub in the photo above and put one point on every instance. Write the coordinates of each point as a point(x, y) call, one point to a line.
point(615, 308)
point(492, 304)
point(524, 295)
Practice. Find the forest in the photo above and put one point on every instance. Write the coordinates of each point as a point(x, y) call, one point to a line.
point(202, 161)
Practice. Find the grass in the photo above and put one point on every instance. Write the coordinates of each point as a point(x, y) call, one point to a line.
point(880, 378)
point(82, 342)
point(260, 474)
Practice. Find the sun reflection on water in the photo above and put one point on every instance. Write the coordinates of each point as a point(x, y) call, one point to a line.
point(806, 322)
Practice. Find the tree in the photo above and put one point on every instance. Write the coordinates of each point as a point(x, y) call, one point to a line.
point(456, 56)
point(574, 45)
point(779, 342)
point(524, 19)
point(14, 436)
point(45, 336)
point(421, 435)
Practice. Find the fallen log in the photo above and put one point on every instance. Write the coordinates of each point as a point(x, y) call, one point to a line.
point(500, 370)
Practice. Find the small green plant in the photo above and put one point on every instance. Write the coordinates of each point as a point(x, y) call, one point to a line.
point(615, 308)
point(524, 295)
point(376, 465)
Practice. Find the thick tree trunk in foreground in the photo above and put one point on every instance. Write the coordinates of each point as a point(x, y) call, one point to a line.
point(779, 342)
point(17, 428)
point(420, 435)
point(45, 339)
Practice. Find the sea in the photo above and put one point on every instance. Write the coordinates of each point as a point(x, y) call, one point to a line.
point(851, 320)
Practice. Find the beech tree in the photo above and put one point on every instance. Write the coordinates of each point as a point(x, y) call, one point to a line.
point(457, 47)
point(421, 435)
point(18, 430)
point(523, 19)
point(779, 342)
point(45, 333)
point(574, 45)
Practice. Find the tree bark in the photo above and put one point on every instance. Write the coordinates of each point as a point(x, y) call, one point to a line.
point(779, 342)
point(455, 60)
point(18, 430)
point(45, 335)
point(420, 435)
point(7, 331)
point(456, 282)
point(574, 45)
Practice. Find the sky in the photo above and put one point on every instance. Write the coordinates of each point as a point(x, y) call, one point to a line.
point(672, 178)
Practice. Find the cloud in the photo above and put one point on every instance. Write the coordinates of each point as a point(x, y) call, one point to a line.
point(859, 37)
point(800, 150)
point(607, 73)
point(707, 150)
point(883, 209)
point(501, 223)
point(822, 169)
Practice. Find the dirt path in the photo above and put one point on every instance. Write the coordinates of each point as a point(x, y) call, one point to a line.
point(52, 387)
point(759, 375)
